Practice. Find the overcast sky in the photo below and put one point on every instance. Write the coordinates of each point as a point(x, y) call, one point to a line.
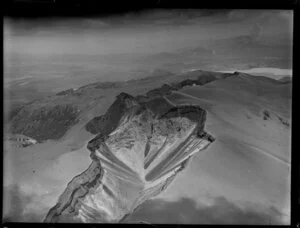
point(147, 32)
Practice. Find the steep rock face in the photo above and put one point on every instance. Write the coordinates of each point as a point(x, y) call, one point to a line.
point(110, 120)
point(139, 150)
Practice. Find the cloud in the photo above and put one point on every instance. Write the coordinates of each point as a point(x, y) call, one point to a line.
point(184, 211)
point(187, 211)
point(16, 204)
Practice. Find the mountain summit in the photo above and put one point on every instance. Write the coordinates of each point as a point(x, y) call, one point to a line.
point(138, 155)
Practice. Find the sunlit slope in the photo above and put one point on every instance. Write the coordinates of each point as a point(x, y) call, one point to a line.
point(250, 160)
point(253, 106)
point(133, 162)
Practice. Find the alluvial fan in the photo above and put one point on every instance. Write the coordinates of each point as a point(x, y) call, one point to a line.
point(132, 162)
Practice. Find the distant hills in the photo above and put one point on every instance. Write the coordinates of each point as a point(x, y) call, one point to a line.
point(52, 116)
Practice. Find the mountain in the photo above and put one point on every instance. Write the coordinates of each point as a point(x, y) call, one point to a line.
point(49, 122)
point(122, 127)
point(138, 152)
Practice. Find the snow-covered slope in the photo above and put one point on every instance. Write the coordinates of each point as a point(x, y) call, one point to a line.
point(248, 164)
point(136, 160)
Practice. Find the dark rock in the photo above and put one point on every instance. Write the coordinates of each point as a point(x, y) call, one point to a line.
point(13, 112)
point(42, 123)
point(157, 105)
point(194, 113)
point(107, 122)
point(65, 92)
point(284, 122)
point(164, 90)
point(266, 115)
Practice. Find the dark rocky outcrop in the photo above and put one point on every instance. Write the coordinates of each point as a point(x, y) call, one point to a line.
point(42, 123)
point(163, 90)
point(266, 115)
point(14, 111)
point(107, 122)
point(284, 122)
point(66, 92)
point(203, 79)
point(107, 85)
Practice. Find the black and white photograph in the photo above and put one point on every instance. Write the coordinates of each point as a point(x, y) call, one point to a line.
point(147, 116)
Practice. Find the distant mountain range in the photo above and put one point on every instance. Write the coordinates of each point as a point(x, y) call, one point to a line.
point(52, 116)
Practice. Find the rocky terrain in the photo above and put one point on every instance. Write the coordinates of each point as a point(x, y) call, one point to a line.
point(138, 151)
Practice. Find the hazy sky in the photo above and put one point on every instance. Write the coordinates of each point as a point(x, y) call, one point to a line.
point(75, 51)
point(148, 31)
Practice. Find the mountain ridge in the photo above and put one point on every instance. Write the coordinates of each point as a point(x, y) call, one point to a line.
point(134, 125)
point(75, 102)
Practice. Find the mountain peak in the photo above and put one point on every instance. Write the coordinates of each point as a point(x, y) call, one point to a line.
point(139, 149)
